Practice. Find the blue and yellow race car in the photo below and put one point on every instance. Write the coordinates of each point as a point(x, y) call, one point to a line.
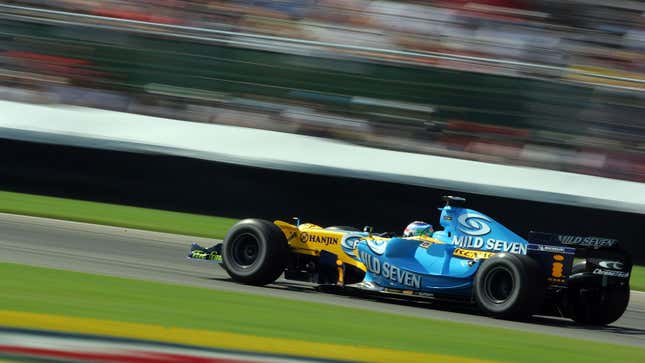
point(472, 258)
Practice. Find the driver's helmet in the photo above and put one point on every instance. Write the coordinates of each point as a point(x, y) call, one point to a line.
point(418, 228)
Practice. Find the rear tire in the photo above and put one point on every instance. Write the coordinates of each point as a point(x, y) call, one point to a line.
point(509, 286)
point(597, 310)
point(255, 252)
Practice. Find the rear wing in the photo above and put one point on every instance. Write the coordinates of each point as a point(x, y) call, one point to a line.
point(569, 240)
point(604, 257)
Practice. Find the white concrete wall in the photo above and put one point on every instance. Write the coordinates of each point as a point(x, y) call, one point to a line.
point(124, 131)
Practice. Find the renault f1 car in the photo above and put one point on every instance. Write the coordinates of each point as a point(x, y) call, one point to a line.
point(473, 259)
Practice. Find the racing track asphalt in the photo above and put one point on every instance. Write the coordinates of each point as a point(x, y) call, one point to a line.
point(161, 257)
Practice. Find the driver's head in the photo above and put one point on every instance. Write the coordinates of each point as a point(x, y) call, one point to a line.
point(418, 228)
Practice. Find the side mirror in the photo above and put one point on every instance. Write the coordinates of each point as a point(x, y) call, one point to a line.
point(368, 229)
point(296, 221)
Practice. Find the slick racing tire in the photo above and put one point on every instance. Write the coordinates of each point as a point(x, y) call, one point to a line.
point(254, 252)
point(509, 286)
point(596, 309)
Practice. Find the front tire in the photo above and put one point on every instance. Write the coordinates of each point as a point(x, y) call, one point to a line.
point(509, 286)
point(254, 252)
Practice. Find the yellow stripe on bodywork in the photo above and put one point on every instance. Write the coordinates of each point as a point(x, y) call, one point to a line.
point(306, 239)
point(215, 339)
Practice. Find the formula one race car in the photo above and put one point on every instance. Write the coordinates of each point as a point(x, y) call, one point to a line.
point(474, 259)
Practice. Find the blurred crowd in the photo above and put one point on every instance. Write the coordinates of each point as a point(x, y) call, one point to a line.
point(595, 45)
point(602, 36)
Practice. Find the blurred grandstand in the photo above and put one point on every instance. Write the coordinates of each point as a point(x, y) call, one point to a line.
point(551, 84)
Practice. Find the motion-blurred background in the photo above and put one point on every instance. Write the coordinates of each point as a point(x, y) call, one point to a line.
point(551, 84)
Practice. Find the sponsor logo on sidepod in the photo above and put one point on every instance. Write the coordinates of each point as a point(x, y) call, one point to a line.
point(349, 244)
point(326, 240)
point(474, 224)
point(490, 244)
point(377, 246)
point(390, 272)
point(472, 254)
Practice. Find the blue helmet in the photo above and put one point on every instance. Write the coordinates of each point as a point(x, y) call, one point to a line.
point(418, 228)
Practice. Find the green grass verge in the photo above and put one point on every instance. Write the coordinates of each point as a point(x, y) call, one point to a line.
point(637, 281)
point(43, 290)
point(115, 215)
point(148, 219)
